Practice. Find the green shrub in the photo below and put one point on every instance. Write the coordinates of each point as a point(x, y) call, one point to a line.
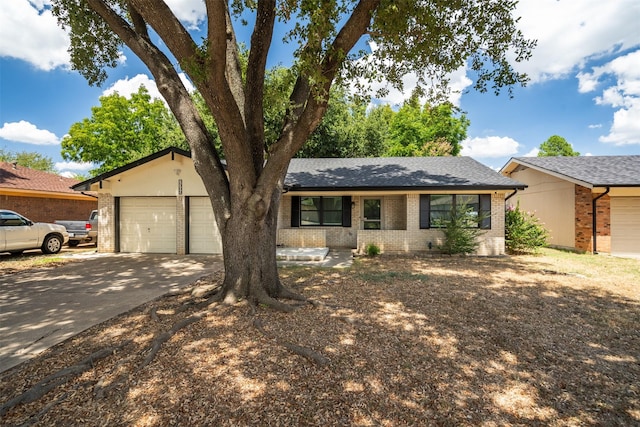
point(523, 231)
point(372, 250)
point(461, 231)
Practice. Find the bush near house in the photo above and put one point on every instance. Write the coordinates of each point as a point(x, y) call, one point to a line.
point(461, 230)
point(523, 231)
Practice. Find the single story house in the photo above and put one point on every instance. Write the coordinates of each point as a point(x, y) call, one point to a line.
point(42, 196)
point(588, 203)
point(159, 204)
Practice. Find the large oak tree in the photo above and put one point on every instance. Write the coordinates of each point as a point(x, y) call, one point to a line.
point(428, 37)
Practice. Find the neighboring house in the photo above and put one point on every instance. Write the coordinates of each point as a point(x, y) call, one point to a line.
point(588, 203)
point(159, 204)
point(42, 196)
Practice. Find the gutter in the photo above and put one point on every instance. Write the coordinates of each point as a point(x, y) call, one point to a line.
point(515, 190)
point(90, 195)
point(594, 218)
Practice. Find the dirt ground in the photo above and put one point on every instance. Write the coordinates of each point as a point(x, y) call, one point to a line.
point(552, 340)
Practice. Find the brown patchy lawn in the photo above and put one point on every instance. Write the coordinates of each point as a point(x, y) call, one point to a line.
point(527, 340)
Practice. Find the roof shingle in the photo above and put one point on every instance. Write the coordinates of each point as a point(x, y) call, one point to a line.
point(394, 173)
point(598, 171)
point(21, 178)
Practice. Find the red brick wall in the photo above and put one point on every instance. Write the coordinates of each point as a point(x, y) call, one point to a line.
point(48, 209)
point(584, 220)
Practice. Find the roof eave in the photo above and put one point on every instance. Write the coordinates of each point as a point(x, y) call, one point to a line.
point(86, 185)
point(298, 189)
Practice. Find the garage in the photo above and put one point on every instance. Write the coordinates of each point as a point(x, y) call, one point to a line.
point(148, 224)
point(625, 226)
point(204, 237)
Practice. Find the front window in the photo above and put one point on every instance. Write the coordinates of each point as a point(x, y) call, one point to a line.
point(321, 211)
point(436, 208)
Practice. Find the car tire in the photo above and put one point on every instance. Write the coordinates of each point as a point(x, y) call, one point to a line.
point(52, 244)
point(73, 243)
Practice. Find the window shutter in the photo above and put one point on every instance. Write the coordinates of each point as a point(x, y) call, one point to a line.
point(346, 211)
point(425, 201)
point(295, 211)
point(485, 209)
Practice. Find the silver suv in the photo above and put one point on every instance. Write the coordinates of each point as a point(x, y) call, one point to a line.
point(18, 234)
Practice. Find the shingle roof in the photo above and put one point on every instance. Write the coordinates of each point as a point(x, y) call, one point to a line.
point(597, 171)
point(21, 178)
point(394, 173)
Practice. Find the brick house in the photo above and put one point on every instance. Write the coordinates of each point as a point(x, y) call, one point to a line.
point(588, 203)
point(42, 196)
point(159, 204)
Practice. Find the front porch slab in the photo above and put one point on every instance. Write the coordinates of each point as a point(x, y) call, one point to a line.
point(301, 254)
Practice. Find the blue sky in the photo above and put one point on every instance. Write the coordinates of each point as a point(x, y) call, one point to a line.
point(585, 82)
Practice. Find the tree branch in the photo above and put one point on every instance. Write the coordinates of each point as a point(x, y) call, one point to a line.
point(260, 43)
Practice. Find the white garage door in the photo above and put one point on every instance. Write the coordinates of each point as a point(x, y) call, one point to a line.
point(625, 226)
point(148, 224)
point(204, 237)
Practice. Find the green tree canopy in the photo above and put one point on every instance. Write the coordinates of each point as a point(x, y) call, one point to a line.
point(429, 39)
point(28, 159)
point(122, 130)
point(556, 146)
point(426, 131)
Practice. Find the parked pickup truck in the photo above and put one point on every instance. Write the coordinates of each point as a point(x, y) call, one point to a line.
point(82, 231)
point(17, 234)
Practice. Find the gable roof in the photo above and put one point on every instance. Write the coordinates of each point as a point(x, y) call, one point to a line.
point(19, 178)
point(395, 173)
point(86, 185)
point(588, 171)
point(375, 173)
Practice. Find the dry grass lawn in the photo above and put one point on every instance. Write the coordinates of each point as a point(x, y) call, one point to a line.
point(552, 340)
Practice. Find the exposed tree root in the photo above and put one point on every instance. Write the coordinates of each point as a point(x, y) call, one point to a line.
point(165, 336)
point(305, 352)
point(287, 293)
point(58, 378)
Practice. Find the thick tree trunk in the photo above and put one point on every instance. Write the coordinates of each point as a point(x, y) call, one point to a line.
point(249, 247)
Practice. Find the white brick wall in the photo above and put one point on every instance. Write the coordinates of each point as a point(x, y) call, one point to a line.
point(401, 229)
point(106, 223)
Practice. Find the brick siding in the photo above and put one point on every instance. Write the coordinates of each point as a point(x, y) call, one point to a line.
point(106, 223)
point(400, 212)
point(584, 220)
point(46, 209)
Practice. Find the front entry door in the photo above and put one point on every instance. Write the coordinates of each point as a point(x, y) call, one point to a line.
point(372, 214)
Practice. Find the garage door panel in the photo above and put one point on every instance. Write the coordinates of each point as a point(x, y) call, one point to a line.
point(625, 226)
point(148, 224)
point(204, 236)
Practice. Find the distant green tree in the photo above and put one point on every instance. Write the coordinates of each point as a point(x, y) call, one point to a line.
point(426, 131)
point(122, 130)
point(27, 159)
point(556, 146)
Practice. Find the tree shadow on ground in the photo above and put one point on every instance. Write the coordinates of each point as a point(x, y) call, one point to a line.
point(413, 341)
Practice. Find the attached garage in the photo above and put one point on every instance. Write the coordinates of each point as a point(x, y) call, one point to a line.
point(204, 237)
point(148, 224)
point(625, 226)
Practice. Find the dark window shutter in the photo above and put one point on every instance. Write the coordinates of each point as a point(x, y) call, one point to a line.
point(295, 211)
point(425, 201)
point(346, 211)
point(485, 210)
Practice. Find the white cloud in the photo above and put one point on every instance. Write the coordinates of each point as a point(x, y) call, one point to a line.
point(74, 166)
point(190, 12)
point(625, 129)
point(30, 32)
point(623, 94)
point(127, 86)
point(533, 153)
point(491, 146)
point(27, 133)
point(571, 32)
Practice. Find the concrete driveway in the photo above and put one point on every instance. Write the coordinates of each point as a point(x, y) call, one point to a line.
point(41, 308)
